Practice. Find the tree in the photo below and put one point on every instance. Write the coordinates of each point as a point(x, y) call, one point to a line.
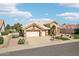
point(7, 27)
point(17, 27)
point(7, 30)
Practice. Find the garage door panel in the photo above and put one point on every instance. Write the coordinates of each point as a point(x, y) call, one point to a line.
point(32, 34)
point(43, 33)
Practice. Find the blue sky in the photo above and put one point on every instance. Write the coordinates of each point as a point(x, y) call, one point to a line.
point(26, 12)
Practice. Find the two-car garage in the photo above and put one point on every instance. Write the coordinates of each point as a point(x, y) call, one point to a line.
point(35, 33)
point(35, 30)
point(32, 33)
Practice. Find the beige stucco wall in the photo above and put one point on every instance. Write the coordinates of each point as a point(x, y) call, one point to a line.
point(6, 41)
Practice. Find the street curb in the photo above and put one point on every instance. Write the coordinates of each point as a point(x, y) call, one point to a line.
point(18, 48)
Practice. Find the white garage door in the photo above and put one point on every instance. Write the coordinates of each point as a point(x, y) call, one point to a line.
point(32, 34)
point(43, 33)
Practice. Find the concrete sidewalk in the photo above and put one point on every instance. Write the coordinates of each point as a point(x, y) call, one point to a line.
point(22, 47)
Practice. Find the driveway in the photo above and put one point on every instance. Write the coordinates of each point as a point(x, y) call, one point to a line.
point(67, 49)
point(38, 40)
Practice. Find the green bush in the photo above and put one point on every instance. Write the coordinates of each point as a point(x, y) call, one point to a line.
point(70, 36)
point(62, 38)
point(57, 37)
point(1, 40)
point(76, 36)
point(4, 33)
point(10, 31)
point(13, 36)
point(21, 41)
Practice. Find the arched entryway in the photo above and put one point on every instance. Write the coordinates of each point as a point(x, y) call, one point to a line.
point(53, 30)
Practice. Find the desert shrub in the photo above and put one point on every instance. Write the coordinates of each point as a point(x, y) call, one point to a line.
point(57, 37)
point(64, 38)
point(1, 40)
point(61, 38)
point(76, 36)
point(10, 31)
point(70, 36)
point(4, 33)
point(21, 41)
point(13, 36)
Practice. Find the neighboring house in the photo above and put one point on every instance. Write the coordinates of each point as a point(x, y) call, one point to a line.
point(68, 28)
point(39, 28)
point(2, 26)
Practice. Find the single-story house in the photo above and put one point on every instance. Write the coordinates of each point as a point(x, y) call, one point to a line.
point(68, 28)
point(40, 28)
point(2, 26)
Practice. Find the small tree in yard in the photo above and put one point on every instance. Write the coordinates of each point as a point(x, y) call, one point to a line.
point(1, 40)
point(17, 27)
point(7, 30)
point(7, 27)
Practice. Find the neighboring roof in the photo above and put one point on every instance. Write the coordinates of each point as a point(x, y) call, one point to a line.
point(1, 23)
point(38, 24)
point(78, 25)
point(68, 26)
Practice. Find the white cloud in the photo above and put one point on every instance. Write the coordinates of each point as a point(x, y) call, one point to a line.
point(69, 15)
point(10, 9)
point(40, 19)
point(76, 5)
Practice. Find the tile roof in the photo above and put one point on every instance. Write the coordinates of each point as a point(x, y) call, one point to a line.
point(68, 26)
point(40, 24)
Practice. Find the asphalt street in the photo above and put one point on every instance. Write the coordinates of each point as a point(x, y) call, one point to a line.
point(67, 49)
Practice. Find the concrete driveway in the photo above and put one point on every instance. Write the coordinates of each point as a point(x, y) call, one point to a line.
point(38, 40)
